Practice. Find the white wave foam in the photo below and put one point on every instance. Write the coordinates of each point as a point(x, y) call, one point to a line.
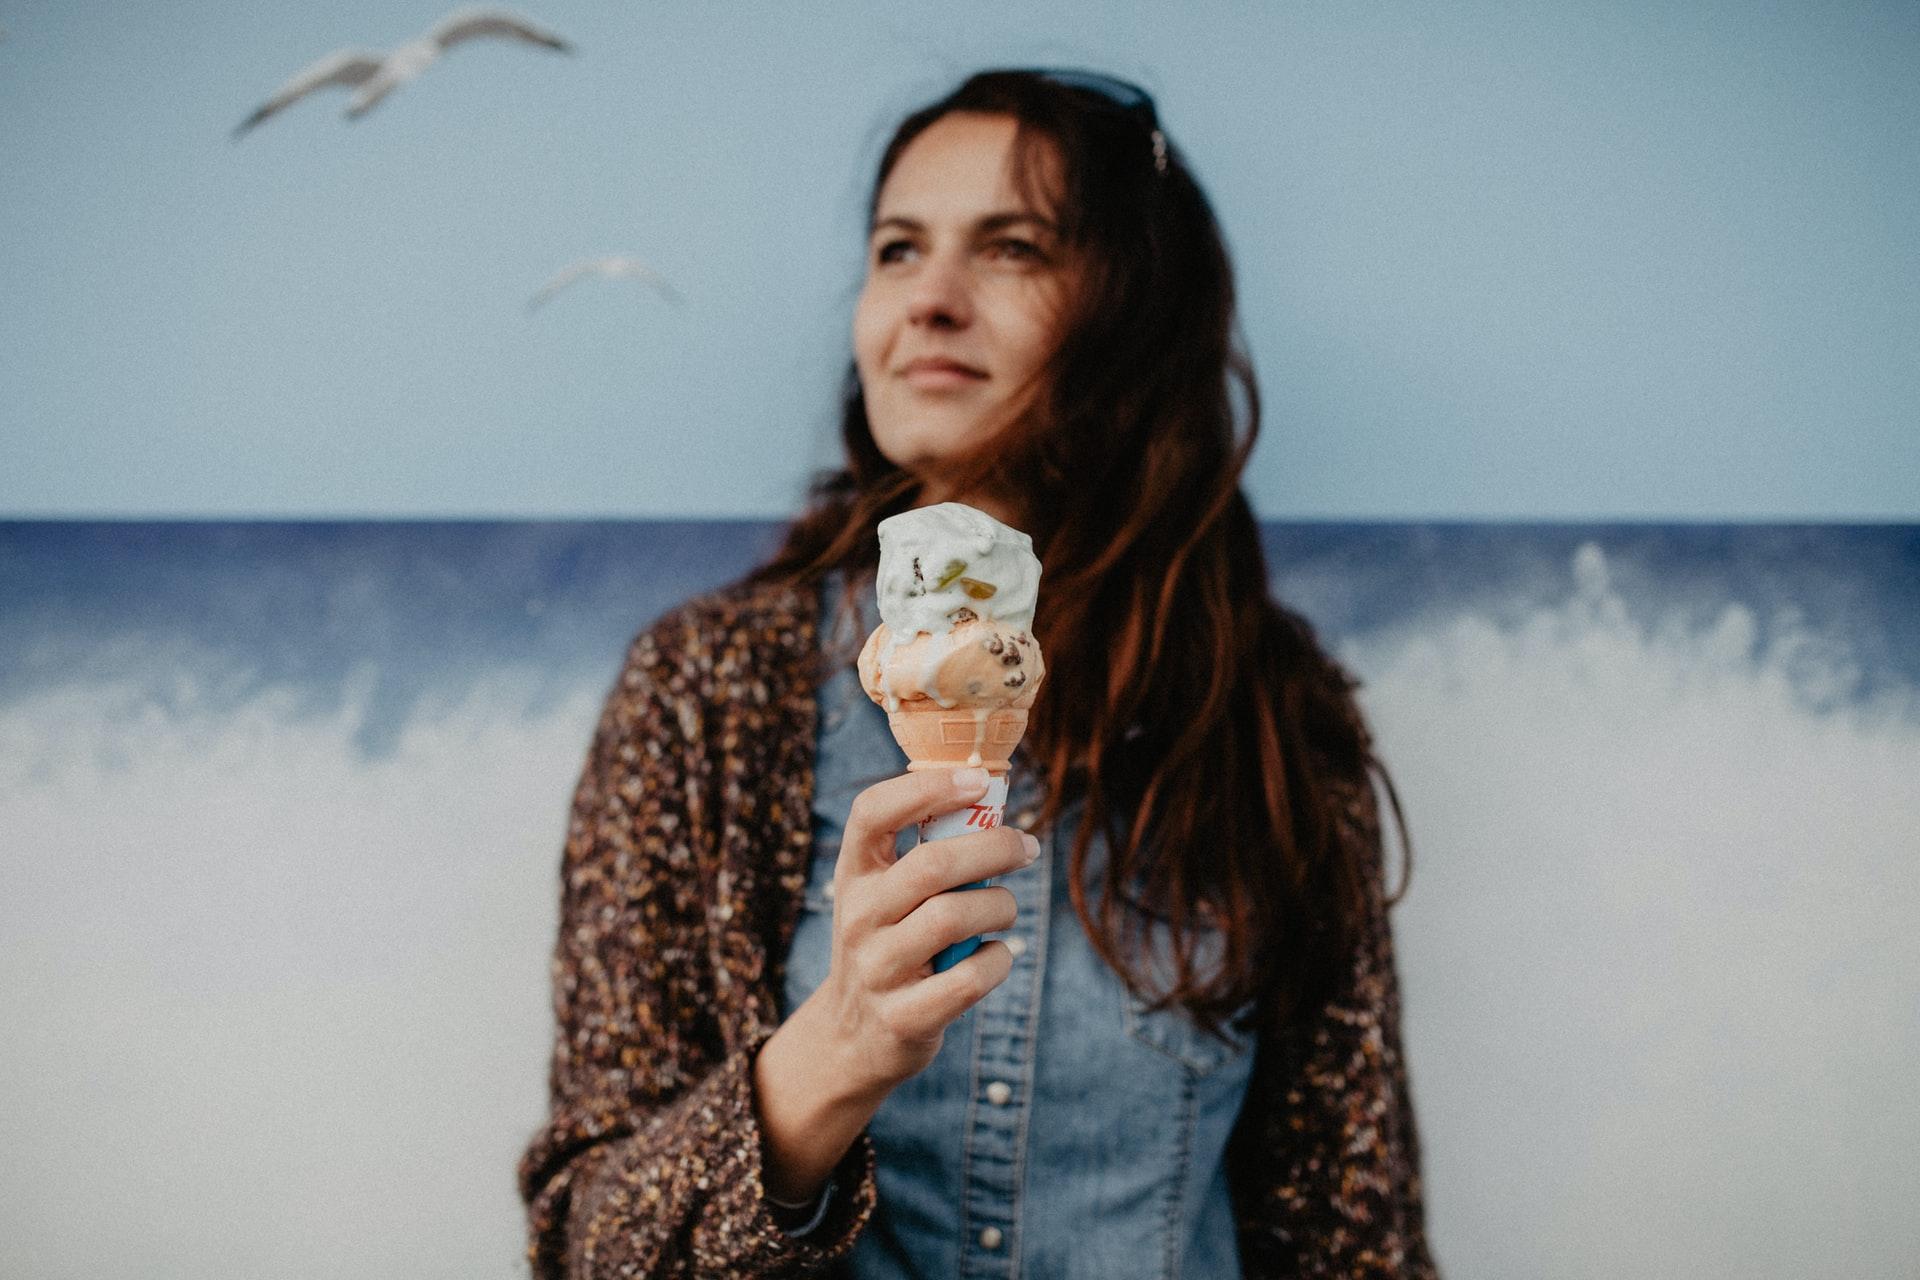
point(1659, 953)
point(271, 1003)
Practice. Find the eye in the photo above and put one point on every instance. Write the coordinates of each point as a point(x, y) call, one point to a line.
point(1015, 247)
point(890, 250)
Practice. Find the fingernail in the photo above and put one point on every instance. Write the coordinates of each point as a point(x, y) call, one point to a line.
point(969, 779)
point(1032, 845)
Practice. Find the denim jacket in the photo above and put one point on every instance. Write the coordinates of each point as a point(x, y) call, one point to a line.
point(1063, 1130)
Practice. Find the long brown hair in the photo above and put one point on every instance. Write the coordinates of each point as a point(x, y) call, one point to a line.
point(1200, 721)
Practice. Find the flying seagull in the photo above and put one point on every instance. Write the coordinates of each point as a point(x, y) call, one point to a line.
point(618, 265)
point(378, 74)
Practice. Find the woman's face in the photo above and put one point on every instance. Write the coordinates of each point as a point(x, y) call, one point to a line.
point(965, 287)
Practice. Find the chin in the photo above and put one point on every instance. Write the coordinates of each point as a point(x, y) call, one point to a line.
point(923, 462)
point(929, 442)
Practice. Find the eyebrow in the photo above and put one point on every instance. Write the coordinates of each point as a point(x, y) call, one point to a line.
point(990, 222)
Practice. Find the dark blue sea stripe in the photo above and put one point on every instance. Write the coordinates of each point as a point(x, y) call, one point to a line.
point(430, 605)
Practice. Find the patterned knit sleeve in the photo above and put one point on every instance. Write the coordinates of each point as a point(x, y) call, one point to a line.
point(1325, 1155)
point(649, 1163)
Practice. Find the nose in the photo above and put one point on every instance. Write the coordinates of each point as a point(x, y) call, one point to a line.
point(941, 297)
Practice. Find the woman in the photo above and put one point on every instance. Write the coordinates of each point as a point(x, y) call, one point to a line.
point(1180, 1054)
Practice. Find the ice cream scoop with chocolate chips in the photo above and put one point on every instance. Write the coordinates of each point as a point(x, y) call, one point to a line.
point(956, 592)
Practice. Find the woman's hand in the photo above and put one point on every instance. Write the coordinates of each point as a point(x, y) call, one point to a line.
point(881, 1013)
point(891, 916)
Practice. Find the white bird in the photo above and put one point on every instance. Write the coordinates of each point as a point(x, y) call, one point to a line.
point(615, 266)
point(378, 74)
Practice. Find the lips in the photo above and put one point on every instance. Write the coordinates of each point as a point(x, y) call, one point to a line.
point(932, 366)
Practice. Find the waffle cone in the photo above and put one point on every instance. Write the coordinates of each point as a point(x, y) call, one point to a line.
point(937, 737)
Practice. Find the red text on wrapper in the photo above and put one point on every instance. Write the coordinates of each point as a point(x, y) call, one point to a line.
point(979, 817)
point(984, 815)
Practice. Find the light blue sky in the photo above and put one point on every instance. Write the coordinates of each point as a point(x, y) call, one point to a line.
point(1497, 259)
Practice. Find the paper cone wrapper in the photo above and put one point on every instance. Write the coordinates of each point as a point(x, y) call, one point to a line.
point(984, 814)
point(942, 738)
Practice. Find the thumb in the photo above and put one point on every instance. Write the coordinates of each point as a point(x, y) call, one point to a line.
point(884, 809)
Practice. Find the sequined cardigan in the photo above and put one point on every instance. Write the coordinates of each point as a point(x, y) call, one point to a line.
point(684, 870)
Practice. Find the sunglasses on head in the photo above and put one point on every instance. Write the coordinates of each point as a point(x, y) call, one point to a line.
point(1127, 96)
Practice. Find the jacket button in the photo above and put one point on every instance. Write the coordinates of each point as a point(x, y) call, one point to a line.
point(990, 1238)
point(999, 1093)
point(827, 892)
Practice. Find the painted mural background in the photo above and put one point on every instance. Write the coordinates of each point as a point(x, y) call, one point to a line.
point(281, 808)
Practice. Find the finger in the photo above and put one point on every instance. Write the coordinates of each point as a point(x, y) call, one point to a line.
point(881, 811)
point(905, 950)
point(934, 1002)
point(940, 865)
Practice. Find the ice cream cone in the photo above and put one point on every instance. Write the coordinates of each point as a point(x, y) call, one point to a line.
point(936, 737)
point(954, 661)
